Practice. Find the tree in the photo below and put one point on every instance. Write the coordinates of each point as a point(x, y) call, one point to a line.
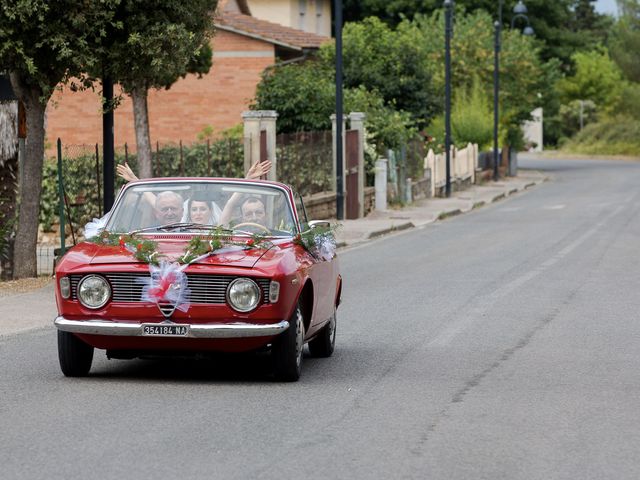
point(157, 42)
point(562, 26)
point(597, 78)
point(625, 41)
point(304, 96)
point(390, 62)
point(524, 79)
point(44, 43)
point(8, 180)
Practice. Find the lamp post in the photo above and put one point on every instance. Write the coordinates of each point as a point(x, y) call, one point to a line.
point(339, 112)
point(520, 12)
point(448, 33)
point(108, 151)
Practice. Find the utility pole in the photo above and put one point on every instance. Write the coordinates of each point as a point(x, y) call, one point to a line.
point(448, 33)
point(339, 113)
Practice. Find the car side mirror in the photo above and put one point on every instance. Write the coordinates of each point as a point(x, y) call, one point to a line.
point(319, 223)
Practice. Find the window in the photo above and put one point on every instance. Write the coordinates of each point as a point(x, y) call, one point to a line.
point(319, 18)
point(302, 5)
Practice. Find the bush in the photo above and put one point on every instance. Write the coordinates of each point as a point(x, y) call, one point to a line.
point(471, 117)
point(471, 120)
point(613, 136)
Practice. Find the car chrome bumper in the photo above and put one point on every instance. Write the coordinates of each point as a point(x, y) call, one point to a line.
point(134, 329)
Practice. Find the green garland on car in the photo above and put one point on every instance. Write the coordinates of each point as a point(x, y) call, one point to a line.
point(146, 251)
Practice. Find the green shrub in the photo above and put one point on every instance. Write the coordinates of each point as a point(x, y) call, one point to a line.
point(612, 136)
point(472, 117)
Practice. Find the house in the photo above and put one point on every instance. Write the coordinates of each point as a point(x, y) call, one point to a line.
point(313, 16)
point(243, 45)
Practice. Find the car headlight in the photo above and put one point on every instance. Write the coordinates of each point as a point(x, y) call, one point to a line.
point(93, 291)
point(243, 294)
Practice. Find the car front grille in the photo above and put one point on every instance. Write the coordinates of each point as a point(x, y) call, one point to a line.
point(212, 289)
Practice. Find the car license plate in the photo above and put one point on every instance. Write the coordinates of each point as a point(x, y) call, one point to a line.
point(163, 330)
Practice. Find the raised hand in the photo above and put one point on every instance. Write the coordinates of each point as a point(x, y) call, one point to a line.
point(258, 169)
point(124, 171)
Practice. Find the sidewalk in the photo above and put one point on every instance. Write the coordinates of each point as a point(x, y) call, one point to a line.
point(36, 308)
point(429, 210)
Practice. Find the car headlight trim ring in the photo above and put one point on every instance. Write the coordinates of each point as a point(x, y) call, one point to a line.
point(94, 291)
point(243, 294)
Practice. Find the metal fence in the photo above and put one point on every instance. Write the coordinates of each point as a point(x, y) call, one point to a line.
point(82, 171)
point(305, 161)
point(405, 162)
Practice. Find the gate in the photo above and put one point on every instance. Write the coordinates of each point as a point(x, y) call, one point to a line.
point(264, 154)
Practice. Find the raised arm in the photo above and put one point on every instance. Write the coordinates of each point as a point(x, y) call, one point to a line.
point(257, 170)
point(125, 172)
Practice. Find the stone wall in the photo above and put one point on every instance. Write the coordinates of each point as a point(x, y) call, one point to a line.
point(322, 206)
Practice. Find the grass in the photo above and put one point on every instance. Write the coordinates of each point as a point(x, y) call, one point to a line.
point(612, 136)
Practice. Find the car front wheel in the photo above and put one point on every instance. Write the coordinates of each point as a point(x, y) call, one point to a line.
point(324, 344)
point(75, 356)
point(287, 349)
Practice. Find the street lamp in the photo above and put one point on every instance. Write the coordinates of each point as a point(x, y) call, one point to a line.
point(519, 12)
point(448, 33)
point(339, 112)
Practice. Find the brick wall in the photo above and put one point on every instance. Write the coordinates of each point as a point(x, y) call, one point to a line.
point(180, 113)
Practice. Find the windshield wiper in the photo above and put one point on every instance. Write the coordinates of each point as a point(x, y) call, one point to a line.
point(178, 225)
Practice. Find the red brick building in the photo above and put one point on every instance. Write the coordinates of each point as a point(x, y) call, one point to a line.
point(243, 47)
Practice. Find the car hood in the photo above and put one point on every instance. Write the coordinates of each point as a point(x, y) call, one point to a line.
point(171, 250)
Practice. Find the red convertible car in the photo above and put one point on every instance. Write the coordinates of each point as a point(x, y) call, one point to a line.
point(200, 265)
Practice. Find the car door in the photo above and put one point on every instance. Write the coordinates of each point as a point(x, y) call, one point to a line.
point(323, 274)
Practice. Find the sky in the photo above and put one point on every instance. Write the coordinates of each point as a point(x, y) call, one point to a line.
point(607, 6)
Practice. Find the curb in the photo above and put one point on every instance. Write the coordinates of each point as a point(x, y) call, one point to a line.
point(444, 214)
point(394, 228)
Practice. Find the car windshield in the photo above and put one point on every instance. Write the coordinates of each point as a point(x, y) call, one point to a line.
point(163, 206)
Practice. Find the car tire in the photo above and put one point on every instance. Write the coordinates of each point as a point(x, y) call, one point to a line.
point(287, 349)
point(75, 355)
point(324, 343)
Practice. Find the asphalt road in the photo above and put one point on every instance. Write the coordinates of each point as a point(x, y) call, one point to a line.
point(502, 344)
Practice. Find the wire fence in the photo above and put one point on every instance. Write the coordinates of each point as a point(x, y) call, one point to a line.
point(405, 162)
point(305, 161)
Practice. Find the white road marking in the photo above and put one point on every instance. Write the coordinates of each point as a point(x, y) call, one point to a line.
point(554, 207)
point(510, 209)
point(475, 313)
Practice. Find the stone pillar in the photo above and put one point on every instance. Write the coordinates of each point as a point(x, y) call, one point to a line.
point(335, 155)
point(255, 122)
point(356, 122)
point(381, 184)
point(269, 125)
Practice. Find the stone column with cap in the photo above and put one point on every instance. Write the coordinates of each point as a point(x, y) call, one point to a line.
point(334, 177)
point(255, 122)
point(356, 122)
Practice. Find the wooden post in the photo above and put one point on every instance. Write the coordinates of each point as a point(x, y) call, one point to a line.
point(181, 161)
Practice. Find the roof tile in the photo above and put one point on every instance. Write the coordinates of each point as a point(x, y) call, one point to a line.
point(270, 31)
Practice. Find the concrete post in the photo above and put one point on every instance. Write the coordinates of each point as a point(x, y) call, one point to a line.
point(381, 184)
point(335, 156)
point(268, 124)
point(255, 121)
point(356, 122)
point(251, 138)
point(408, 191)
